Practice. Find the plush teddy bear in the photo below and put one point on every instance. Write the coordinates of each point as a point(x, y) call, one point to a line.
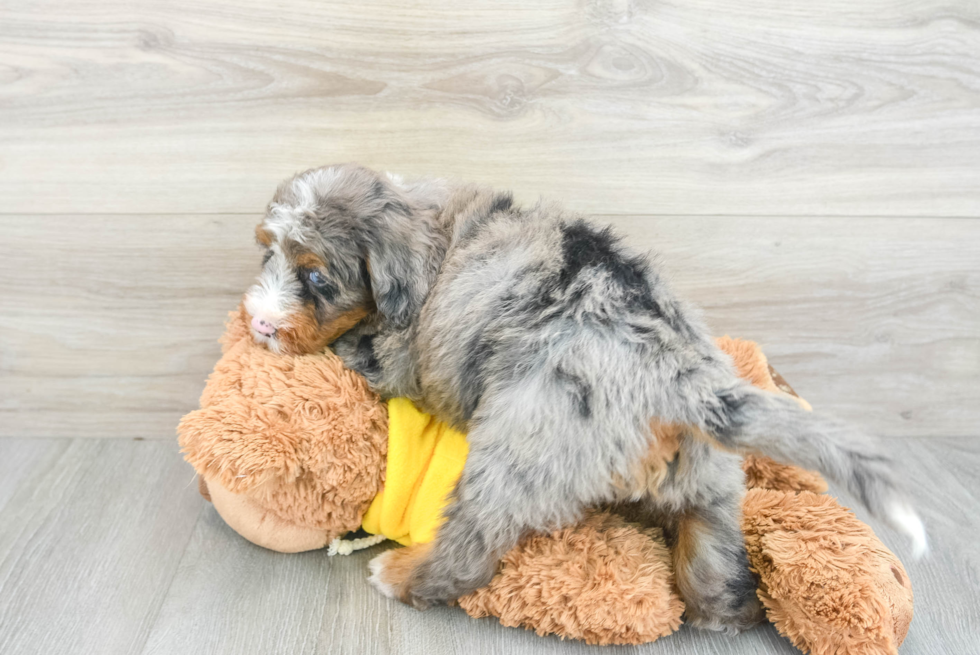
point(296, 453)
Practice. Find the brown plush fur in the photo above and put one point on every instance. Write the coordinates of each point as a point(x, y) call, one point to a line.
point(763, 473)
point(302, 442)
point(604, 581)
point(827, 582)
point(302, 436)
point(752, 365)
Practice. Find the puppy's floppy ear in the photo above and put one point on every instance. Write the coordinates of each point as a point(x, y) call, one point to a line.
point(401, 256)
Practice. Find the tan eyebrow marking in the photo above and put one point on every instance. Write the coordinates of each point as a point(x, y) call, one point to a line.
point(262, 235)
point(309, 260)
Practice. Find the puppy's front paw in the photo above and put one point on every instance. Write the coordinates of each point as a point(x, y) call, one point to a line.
point(393, 573)
point(380, 578)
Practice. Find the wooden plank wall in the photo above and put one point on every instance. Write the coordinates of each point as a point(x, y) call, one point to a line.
point(810, 172)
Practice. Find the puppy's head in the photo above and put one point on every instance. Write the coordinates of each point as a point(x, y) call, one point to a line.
point(340, 243)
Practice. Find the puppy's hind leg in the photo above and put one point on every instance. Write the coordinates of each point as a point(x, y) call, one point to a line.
point(462, 558)
point(483, 521)
point(699, 508)
point(712, 569)
point(524, 472)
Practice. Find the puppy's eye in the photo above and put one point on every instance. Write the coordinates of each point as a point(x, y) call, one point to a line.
point(266, 257)
point(318, 284)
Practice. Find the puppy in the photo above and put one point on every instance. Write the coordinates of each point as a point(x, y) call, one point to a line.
point(577, 374)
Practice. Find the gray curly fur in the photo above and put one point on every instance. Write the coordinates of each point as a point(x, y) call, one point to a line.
point(553, 346)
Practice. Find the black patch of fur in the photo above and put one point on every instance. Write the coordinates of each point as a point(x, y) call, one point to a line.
point(742, 585)
point(670, 534)
point(501, 203)
point(643, 330)
point(394, 303)
point(367, 359)
point(365, 275)
point(724, 420)
point(327, 292)
point(585, 247)
point(578, 389)
point(473, 375)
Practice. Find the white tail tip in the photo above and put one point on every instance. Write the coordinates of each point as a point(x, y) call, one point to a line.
point(905, 519)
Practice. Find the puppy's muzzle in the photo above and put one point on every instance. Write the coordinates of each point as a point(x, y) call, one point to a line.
point(262, 326)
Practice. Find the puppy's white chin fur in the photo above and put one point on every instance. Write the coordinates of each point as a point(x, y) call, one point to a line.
point(377, 567)
point(904, 518)
point(271, 343)
point(275, 346)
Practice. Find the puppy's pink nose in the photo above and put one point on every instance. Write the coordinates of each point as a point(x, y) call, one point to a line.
point(262, 326)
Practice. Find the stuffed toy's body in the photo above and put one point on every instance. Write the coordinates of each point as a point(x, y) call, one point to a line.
point(296, 452)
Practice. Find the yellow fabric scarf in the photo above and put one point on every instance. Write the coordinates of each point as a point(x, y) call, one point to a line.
point(425, 458)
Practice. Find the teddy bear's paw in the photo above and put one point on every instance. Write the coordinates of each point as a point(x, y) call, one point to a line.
point(393, 571)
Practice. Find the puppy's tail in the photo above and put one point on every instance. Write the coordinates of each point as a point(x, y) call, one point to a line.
point(745, 419)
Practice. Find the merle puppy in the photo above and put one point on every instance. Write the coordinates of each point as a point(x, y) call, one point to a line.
point(578, 375)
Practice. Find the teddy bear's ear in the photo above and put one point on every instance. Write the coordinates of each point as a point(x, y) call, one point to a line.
point(751, 364)
point(764, 473)
point(240, 447)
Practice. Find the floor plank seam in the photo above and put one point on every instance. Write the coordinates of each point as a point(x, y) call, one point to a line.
point(202, 507)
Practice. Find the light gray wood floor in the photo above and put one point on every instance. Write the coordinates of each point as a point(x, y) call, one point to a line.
point(107, 548)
